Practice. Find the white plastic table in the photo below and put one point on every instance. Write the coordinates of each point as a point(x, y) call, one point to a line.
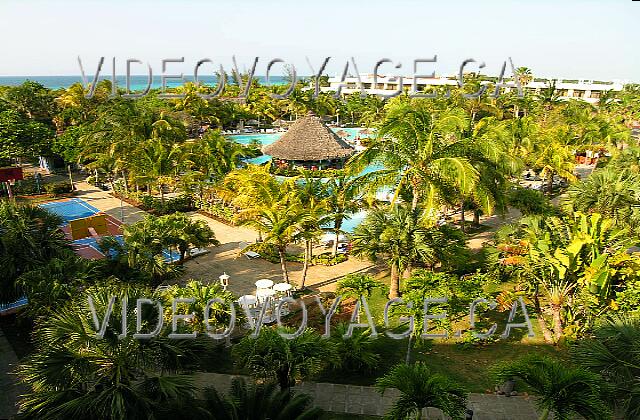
point(264, 284)
point(282, 287)
point(262, 294)
point(248, 300)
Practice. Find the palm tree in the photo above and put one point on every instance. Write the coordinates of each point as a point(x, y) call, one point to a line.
point(56, 282)
point(354, 352)
point(158, 163)
point(422, 150)
point(356, 285)
point(202, 294)
point(613, 193)
point(524, 75)
point(258, 401)
point(562, 389)
point(400, 236)
point(29, 237)
point(281, 224)
point(573, 261)
point(74, 374)
point(269, 356)
point(119, 131)
point(213, 156)
point(180, 231)
point(311, 193)
point(342, 202)
point(553, 155)
point(611, 353)
point(419, 389)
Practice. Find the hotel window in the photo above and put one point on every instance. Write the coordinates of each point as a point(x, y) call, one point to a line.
point(562, 92)
point(578, 93)
point(595, 94)
point(367, 85)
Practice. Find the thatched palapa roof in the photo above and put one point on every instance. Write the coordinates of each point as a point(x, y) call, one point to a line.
point(309, 139)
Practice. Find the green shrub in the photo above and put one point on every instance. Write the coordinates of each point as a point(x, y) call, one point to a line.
point(529, 201)
point(27, 186)
point(57, 188)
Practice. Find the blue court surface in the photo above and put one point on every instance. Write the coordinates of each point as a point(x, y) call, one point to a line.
point(169, 256)
point(71, 209)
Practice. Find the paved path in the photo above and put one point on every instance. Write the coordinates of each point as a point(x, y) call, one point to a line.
point(351, 399)
point(8, 389)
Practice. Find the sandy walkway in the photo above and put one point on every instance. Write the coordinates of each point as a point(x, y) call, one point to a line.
point(244, 272)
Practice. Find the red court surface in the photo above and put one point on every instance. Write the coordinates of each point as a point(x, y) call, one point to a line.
point(114, 227)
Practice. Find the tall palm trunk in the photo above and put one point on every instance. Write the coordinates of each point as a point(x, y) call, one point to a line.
point(283, 263)
point(550, 184)
point(556, 311)
point(161, 188)
point(394, 289)
point(337, 226)
point(476, 217)
point(462, 219)
point(126, 183)
point(546, 332)
point(307, 259)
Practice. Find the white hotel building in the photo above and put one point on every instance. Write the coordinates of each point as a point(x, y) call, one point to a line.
point(587, 90)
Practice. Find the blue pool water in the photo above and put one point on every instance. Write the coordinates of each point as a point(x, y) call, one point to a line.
point(71, 209)
point(266, 139)
point(169, 255)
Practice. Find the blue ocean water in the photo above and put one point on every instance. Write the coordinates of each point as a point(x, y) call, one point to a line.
point(137, 82)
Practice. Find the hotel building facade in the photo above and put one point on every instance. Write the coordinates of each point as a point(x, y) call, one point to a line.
point(587, 90)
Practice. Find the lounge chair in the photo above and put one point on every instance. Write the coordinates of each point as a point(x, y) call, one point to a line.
point(252, 255)
point(194, 252)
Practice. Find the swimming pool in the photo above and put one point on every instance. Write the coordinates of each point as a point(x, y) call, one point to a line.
point(266, 139)
point(72, 209)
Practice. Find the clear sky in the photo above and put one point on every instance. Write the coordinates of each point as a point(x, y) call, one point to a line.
point(561, 38)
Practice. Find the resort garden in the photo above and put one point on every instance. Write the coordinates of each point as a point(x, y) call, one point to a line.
point(443, 184)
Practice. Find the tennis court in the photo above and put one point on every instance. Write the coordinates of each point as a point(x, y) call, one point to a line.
point(71, 209)
point(89, 248)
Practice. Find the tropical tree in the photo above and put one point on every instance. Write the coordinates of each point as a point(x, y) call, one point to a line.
point(75, 374)
point(563, 390)
point(611, 192)
point(258, 401)
point(269, 356)
point(342, 201)
point(311, 193)
point(182, 232)
point(524, 75)
point(611, 353)
point(354, 352)
point(219, 313)
point(29, 237)
point(357, 285)
point(576, 264)
point(281, 224)
point(420, 149)
point(213, 156)
point(420, 389)
point(403, 237)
